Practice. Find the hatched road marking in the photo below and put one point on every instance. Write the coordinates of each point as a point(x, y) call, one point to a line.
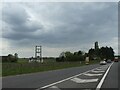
point(78, 80)
point(63, 80)
point(97, 71)
point(103, 78)
point(88, 74)
point(54, 87)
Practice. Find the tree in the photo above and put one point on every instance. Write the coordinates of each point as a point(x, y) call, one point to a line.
point(91, 53)
point(107, 53)
point(16, 57)
point(80, 53)
point(61, 57)
point(69, 56)
point(76, 56)
point(10, 58)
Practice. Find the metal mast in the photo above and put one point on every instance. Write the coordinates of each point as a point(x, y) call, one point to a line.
point(38, 52)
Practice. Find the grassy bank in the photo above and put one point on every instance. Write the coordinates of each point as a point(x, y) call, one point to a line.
point(24, 67)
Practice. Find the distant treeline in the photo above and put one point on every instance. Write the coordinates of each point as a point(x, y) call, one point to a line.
point(68, 56)
point(93, 54)
point(10, 58)
point(102, 53)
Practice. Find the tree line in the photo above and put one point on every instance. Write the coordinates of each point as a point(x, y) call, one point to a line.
point(69, 56)
point(102, 53)
point(93, 54)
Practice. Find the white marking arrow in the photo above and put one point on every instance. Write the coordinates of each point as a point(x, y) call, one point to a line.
point(78, 80)
point(88, 74)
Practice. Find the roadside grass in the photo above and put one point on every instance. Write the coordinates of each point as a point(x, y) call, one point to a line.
point(23, 67)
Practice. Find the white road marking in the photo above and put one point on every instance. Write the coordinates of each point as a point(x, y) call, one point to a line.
point(78, 80)
point(64, 80)
point(97, 71)
point(55, 87)
point(103, 67)
point(88, 74)
point(103, 78)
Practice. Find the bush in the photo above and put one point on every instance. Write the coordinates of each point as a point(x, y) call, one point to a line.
point(60, 59)
point(10, 58)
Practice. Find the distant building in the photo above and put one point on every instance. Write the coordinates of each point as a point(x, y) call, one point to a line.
point(96, 45)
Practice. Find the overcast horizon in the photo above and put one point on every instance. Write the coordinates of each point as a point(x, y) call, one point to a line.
point(58, 27)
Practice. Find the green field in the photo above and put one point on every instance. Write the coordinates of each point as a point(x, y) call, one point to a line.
point(23, 67)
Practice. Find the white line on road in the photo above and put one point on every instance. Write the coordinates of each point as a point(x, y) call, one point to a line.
point(97, 71)
point(78, 80)
point(101, 68)
point(64, 80)
point(105, 67)
point(54, 87)
point(103, 78)
point(88, 74)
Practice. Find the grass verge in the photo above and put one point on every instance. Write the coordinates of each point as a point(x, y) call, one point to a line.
point(22, 68)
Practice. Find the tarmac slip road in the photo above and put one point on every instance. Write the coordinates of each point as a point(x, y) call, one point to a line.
point(77, 77)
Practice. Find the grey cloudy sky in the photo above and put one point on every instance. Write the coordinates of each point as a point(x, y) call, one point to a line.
point(58, 26)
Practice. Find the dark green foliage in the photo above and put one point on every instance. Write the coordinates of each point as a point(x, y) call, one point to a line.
point(76, 56)
point(107, 52)
point(103, 53)
point(10, 58)
point(60, 59)
point(91, 53)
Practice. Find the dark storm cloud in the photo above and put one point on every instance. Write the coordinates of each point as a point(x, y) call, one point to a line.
point(18, 21)
point(67, 23)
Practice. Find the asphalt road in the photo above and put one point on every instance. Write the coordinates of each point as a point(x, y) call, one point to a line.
point(112, 78)
point(87, 80)
point(38, 80)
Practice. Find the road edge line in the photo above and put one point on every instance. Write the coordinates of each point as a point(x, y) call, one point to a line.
point(103, 78)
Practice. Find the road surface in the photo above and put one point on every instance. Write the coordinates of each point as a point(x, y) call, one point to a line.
point(112, 78)
point(79, 77)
